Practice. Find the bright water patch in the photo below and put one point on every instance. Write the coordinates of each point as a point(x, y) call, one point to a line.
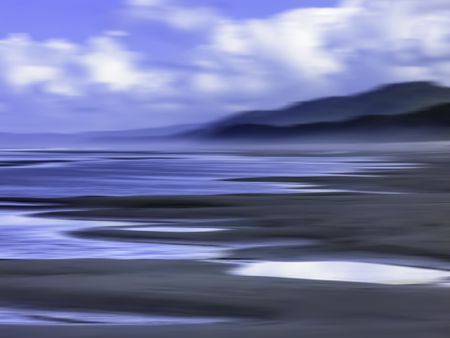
point(82, 173)
point(175, 229)
point(25, 237)
point(344, 271)
point(21, 316)
point(112, 174)
point(23, 204)
point(274, 243)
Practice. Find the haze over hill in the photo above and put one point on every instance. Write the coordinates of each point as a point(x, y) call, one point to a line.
point(92, 138)
point(389, 99)
point(402, 111)
point(428, 124)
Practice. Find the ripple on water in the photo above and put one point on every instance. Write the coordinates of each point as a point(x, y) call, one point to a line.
point(25, 237)
point(344, 271)
point(22, 316)
point(175, 229)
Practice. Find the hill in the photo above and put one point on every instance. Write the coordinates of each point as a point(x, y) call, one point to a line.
point(386, 100)
point(427, 124)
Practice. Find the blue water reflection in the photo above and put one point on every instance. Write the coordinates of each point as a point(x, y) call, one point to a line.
point(59, 173)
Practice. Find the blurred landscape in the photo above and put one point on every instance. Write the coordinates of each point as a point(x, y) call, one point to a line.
point(139, 243)
point(413, 111)
point(220, 169)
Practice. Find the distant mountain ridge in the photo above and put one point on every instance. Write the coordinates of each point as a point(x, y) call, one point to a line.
point(412, 110)
point(387, 100)
point(431, 123)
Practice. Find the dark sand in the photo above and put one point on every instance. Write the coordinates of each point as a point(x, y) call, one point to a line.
point(413, 226)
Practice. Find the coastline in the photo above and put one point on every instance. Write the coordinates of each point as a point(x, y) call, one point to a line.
point(409, 225)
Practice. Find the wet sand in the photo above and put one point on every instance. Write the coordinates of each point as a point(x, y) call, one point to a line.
point(410, 225)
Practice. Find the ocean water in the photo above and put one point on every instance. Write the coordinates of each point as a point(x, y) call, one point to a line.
point(44, 174)
point(58, 173)
point(54, 173)
point(23, 236)
point(61, 173)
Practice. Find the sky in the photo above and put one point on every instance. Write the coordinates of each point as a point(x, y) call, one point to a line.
point(83, 65)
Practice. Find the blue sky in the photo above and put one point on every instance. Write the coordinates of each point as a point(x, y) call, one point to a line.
point(72, 19)
point(80, 19)
point(74, 65)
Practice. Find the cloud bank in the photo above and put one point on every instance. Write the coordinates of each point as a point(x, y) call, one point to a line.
point(230, 64)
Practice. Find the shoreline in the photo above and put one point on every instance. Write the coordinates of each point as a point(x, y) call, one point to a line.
point(412, 226)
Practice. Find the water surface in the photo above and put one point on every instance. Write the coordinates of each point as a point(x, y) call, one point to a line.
point(42, 174)
point(345, 271)
point(46, 173)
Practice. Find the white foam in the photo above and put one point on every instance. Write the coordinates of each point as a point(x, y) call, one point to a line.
point(344, 271)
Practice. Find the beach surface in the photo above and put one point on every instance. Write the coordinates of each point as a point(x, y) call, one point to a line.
point(378, 216)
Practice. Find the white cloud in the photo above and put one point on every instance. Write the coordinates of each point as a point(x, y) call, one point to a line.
point(108, 64)
point(26, 63)
point(209, 83)
point(293, 41)
point(63, 68)
point(173, 14)
point(320, 51)
point(231, 63)
point(30, 74)
point(146, 3)
point(58, 82)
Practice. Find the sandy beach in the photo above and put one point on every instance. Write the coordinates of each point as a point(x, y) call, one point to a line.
point(396, 217)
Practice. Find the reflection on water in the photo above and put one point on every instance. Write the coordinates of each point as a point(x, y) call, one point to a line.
point(42, 174)
point(344, 271)
point(175, 229)
point(19, 316)
point(54, 174)
point(25, 237)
